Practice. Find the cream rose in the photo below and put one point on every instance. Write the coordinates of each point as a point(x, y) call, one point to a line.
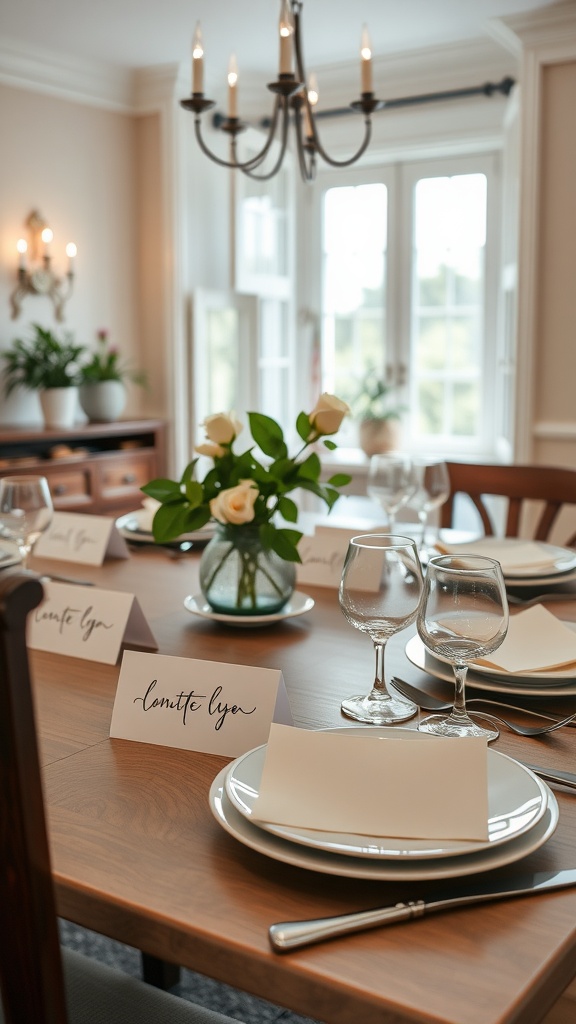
point(236, 504)
point(214, 451)
point(222, 427)
point(328, 413)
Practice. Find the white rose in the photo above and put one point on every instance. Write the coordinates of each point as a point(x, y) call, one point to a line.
point(236, 504)
point(222, 427)
point(214, 451)
point(328, 413)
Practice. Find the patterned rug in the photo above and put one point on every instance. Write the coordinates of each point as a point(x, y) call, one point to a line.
point(194, 987)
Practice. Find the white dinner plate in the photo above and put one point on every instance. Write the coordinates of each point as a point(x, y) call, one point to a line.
point(562, 561)
point(383, 870)
point(298, 604)
point(8, 558)
point(134, 526)
point(516, 802)
point(545, 684)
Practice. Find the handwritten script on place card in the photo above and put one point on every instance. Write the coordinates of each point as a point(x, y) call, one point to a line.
point(86, 622)
point(83, 539)
point(197, 705)
point(323, 556)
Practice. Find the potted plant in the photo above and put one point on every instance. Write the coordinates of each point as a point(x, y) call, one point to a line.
point(102, 382)
point(50, 366)
point(379, 413)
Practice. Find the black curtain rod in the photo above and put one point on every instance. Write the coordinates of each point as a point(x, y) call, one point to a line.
point(489, 89)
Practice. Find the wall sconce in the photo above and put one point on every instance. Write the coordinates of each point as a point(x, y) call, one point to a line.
point(35, 273)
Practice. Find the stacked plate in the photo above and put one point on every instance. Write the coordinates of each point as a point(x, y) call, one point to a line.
point(524, 563)
point(522, 815)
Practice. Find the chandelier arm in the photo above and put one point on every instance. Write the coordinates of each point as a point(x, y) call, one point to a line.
point(248, 170)
point(356, 156)
point(254, 161)
point(306, 168)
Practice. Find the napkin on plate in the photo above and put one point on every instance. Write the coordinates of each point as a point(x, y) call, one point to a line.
point(512, 555)
point(421, 786)
point(146, 514)
point(536, 641)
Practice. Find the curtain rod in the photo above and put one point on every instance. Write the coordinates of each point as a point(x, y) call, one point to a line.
point(489, 89)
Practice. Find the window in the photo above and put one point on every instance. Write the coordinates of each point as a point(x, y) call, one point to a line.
point(408, 292)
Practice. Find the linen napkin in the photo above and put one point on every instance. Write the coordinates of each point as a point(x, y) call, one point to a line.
point(536, 641)
point(146, 514)
point(513, 555)
point(423, 786)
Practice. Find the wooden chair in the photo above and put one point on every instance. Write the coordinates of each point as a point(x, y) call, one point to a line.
point(40, 983)
point(552, 487)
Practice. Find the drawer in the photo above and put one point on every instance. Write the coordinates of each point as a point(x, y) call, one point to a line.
point(124, 476)
point(69, 487)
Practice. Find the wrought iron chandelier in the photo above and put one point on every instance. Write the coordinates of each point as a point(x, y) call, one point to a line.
point(292, 97)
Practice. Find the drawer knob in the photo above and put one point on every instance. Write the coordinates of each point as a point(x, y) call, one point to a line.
point(129, 478)
point(60, 489)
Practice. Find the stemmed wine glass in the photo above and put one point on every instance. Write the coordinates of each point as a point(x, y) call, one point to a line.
point(433, 491)
point(25, 511)
point(379, 594)
point(463, 616)
point(392, 481)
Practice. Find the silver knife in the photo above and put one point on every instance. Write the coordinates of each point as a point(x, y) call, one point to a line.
point(288, 935)
point(553, 774)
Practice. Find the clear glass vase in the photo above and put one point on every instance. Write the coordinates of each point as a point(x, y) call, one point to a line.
point(238, 577)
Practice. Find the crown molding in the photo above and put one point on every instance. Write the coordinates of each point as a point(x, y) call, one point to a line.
point(64, 76)
point(546, 27)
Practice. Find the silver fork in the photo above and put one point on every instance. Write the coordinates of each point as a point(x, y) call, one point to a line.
point(527, 602)
point(429, 703)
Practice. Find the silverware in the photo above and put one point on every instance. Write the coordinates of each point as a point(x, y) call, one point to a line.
point(429, 703)
point(66, 579)
point(553, 775)
point(288, 935)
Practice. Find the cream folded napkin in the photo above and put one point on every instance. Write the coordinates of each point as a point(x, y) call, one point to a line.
point(512, 554)
point(423, 787)
point(536, 641)
point(146, 514)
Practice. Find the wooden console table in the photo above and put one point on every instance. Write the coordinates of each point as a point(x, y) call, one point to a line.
point(96, 467)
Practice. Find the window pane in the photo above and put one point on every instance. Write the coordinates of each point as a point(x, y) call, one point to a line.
point(222, 357)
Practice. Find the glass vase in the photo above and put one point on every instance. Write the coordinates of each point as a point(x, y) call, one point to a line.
point(238, 577)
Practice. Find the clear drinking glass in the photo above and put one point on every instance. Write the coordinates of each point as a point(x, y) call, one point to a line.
point(379, 594)
point(433, 491)
point(392, 481)
point(25, 511)
point(463, 616)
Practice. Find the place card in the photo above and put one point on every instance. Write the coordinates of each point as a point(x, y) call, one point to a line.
point(197, 705)
point(80, 538)
point(323, 555)
point(432, 788)
point(87, 622)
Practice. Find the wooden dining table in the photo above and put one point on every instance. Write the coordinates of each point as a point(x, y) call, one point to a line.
point(138, 855)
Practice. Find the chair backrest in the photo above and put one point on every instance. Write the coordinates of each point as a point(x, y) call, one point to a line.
point(552, 486)
point(30, 965)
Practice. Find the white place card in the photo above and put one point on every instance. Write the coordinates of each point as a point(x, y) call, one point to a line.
point(323, 556)
point(197, 705)
point(84, 539)
point(87, 622)
point(432, 789)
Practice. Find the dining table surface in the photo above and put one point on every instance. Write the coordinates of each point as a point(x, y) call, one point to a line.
point(138, 855)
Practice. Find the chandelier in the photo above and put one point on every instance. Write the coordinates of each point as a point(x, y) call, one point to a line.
point(292, 96)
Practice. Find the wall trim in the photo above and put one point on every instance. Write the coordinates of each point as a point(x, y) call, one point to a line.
point(550, 431)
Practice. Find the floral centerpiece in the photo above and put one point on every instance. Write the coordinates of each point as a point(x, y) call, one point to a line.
point(248, 567)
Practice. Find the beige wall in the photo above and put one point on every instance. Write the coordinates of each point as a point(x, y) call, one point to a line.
point(76, 165)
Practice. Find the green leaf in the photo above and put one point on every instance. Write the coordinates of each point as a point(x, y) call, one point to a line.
point(169, 522)
point(267, 435)
point(288, 509)
point(303, 426)
point(188, 472)
point(310, 468)
point(162, 489)
point(194, 493)
point(339, 479)
point(284, 543)
point(331, 445)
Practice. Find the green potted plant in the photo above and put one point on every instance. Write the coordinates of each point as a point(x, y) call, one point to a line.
point(378, 411)
point(103, 382)
point(49, 365)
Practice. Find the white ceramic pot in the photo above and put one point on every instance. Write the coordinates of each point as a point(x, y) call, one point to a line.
point(103, 401)
point(59, 406)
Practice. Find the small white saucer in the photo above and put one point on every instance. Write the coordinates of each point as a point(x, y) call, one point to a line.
point(298, 604)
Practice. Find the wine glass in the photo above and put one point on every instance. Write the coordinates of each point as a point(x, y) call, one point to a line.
point(463, 616)
point(433, 491)
point(25, 511)
point(379, 594)
point(392, 481)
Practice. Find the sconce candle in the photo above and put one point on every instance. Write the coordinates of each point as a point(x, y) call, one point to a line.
point(197, 61)
point(232, 88)
point(71, 252)
point(22, 247)
point(36, 275)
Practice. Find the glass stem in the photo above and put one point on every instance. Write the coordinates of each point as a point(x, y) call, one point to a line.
point(24, 550)
point(423, 517)
point(379, 678)
point(459, 710)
